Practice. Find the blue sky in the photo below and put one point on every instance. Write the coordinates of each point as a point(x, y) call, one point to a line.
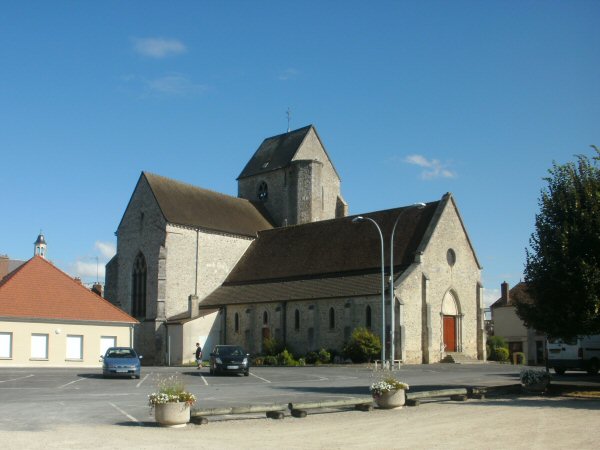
point(412, 100)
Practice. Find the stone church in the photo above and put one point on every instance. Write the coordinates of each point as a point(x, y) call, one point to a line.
point(284, 260)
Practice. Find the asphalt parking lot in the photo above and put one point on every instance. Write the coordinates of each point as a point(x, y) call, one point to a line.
point(42, 398)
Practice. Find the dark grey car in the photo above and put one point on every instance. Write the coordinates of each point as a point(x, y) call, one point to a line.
point(229, 358)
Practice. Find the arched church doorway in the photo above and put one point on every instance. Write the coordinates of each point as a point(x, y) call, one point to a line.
point(450, 323)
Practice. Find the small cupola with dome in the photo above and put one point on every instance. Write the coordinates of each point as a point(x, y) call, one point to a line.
point(39, 246)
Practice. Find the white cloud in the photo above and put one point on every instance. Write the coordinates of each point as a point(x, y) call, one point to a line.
point(89, 268)
point(107, 249)
point(158, 47)
point(434, 168)
point(174, 85)
point(288, 74)
point(85, 270)
point(490, 296)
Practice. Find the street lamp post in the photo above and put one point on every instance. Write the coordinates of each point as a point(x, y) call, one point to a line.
point(392, 302)
point(362, 219)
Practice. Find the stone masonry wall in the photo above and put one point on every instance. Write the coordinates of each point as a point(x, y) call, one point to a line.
point(314, 332)
point(198, 261)
point(461, 279)
point(328, 185)
point(141, 230)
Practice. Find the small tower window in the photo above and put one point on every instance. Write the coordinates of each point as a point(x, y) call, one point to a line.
point(296, 320)
point(138, 288)
point(263, 191)
point(236, 323)
point(265, 318)
point(368, 317)
point(451, 257)
point(331, 318)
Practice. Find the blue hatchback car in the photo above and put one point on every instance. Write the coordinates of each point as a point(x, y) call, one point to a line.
point(121, 362)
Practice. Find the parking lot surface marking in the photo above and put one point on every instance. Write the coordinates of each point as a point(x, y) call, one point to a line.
point(70, 382)
point(204, 379)
point(15, 379)
point(133, 419)
point(142, 380)
point(260, 378)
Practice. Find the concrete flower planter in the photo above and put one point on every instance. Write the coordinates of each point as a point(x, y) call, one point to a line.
point(535, 388)
point(391, 400)
point(173, 415)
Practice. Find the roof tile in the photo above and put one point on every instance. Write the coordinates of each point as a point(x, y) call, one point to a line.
point(39, 290)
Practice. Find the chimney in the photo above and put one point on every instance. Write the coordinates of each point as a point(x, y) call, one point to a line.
point(77, 279)
point(97, 289)
point(3, 266)
point(193, 309)
point(505, 293)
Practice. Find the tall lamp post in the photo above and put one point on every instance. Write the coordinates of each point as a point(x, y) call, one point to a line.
point(392, 302)
point(362, 219)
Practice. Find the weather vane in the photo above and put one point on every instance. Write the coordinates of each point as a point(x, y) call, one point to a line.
point(289, 117)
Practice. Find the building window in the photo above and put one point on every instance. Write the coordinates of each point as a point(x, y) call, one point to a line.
point(451, 257)
point(265, 318)
point(39, 346)
point(107, 342)
point(368, 317)
point(263, 191)
point(5, 345)
point(296, 320)
point(75, 347)
point(331, 318)
point(138, 288)
point(236, 323)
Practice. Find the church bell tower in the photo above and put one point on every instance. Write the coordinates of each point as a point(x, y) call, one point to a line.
point(39, 246)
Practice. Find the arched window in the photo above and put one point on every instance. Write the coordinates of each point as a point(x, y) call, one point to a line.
point(296, 320)
point(368, 317)
point(138, 286)
point(265, 318)
point(236, 323)
point(331, 318)
point(263, 191)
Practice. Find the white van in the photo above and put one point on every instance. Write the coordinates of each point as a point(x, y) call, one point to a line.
point(582, 353)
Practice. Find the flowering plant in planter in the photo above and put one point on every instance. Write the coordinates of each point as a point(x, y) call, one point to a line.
point(387, 384)
point(533, 376)
point(171, 390)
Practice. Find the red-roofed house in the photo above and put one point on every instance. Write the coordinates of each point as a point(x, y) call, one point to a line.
point(47, 319)
point(509, 325)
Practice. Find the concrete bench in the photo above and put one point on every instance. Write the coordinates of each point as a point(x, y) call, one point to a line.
point(298, 409)
point(273, 411)
point(386, 364)
point(457, 394)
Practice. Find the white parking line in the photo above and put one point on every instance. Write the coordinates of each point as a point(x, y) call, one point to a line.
point(14, 379)
point(256, 376)
point(133, 419)
point(204, 379)
point(142, 380)
point(70, 382)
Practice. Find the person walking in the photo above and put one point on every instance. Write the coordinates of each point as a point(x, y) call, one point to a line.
point(198, 355)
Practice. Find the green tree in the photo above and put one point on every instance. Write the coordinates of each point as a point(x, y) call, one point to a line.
point(362, 346)
point(562, 268)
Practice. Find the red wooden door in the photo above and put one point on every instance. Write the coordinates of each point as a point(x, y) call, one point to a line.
point(450, 333)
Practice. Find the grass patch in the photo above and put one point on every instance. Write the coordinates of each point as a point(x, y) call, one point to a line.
point(589, 392)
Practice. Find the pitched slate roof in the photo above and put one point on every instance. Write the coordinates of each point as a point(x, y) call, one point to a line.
point(279, 151)
point(275, 152)
point(39, 290)
point(518, 294)
point(189, 205)
point(331, 258)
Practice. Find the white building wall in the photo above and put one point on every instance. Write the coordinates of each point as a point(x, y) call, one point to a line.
point(57, 333)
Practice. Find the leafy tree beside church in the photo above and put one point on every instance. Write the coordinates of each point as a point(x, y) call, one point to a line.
point(562, 268)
